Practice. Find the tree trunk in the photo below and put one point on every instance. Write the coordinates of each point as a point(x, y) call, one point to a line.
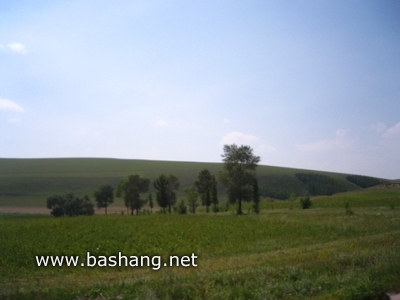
point(240, 206)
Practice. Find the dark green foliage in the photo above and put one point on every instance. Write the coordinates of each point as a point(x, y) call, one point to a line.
point(205, 184)
point(57, 205)
point(278, 186)
point(130, 189)
point(151, 203)
point(305, 202)
point(318, 184)
point(214, 195)
point(166, 186)
point(256, 197)
point(70, 205)
point(363, 181)
point(239, 173)
point(104, 196)
point(192, 198)
point(182, 209)
point(348, 209)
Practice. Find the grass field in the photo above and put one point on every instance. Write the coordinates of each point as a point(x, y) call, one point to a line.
point(282, 253)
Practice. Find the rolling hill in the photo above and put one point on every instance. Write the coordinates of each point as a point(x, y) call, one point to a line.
point(28, 182)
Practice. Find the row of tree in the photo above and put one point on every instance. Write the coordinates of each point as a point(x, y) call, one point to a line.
point(238, 176)
point(70, 205)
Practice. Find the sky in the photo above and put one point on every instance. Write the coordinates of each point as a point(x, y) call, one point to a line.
point(307, 84)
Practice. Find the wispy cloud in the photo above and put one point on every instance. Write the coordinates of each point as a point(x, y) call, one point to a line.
point(339, 142)
point(392, 132)
point(6, 104)
point(378, 127)
point(17, 47)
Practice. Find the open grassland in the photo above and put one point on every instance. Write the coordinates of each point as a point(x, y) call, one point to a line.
point(283, 253)
point(28, 182)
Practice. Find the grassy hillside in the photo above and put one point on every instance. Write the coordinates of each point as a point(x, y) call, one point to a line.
point(282, 253)
point(28, 182)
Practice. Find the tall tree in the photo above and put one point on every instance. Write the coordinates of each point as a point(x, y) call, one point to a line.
point(204, 184)
point(104, 196)
point(165, 186)
point(214, 194)
point(150, 199)
point(239, 172)
point(192, 198)
point(130, 189)
point(256, 197)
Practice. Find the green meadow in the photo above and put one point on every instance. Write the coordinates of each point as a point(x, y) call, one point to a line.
point(346, 246)
point(283, 253)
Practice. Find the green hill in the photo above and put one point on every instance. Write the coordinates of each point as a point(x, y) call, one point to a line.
point(28, 182)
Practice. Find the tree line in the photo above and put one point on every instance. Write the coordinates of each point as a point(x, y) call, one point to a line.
point(238, 176)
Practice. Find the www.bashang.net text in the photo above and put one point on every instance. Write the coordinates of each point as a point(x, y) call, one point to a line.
point(120, 260)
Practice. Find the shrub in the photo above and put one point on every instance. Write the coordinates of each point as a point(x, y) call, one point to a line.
point(70, 205)
point(348, 209)
point(181, 209)
point(305, 202)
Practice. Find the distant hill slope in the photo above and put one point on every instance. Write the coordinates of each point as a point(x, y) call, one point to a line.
point(28, 182)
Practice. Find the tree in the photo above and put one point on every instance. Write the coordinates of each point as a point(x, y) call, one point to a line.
point(104, 196)
point(166, 185)
point(182, 208)
point(57, 205)
point(214, 194)
point(204, 184)
point(75, 206)
point(130, 189)
point(256, 197)
point(192, 198)
point(305, 202)
point(70, 205)
point(150, 199)
point(239, 173)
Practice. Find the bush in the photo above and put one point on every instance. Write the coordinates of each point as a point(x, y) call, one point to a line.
point(70, 205)
point(215, 208)
point(305, 202)
point(348, 209)
point(181, 209)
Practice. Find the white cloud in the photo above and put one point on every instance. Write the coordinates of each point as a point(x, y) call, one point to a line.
point(378, 127)
point(227, 121)
point(239, 138)
point(17, 47)
point(392, 132)
point(6, 104)
point(339, 142)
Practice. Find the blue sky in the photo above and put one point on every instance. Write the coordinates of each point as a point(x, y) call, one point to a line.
point(307, 84)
